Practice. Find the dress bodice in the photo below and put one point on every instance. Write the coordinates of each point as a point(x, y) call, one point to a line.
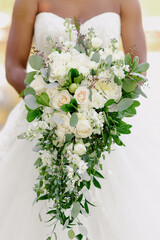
point(106, 25)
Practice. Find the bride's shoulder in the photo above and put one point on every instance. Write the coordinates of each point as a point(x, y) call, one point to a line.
point(23, 6)
point(130, 7)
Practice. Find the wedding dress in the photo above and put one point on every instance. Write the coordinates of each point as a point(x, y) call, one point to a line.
point(128, 206)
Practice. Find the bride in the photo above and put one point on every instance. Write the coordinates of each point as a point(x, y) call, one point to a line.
point(128, 204)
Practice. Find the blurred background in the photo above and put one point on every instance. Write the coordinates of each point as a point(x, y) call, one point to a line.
point(8, 96)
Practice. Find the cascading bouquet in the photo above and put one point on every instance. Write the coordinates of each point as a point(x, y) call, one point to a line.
point(76, 99)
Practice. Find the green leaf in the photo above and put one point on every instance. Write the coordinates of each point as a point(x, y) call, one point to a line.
point(75, 210)
point(43, 99)
point(124, 128)
point(22, 93)
point(90, 95)
point(128, 85)
point(97, 174)
point(96, 183)
point(66, 224)
point(108, 62)
point(86, 207)
point(30, 77)
point(79, 236)
point(124, 104)
point(135, 63)
point(69, 108)
point(73, 120)
point(109, 102)
point(95, 57)
point(38, 162)
point(117, 81)
point(128, 59)
point(73, 73)
point(49, 238)
point(76, 24)
point(117, 140)
point(28, 91)
point(69, 137)
point(30, 101)
point(143, 67)
point(36, 62)
point(139, 91)
point(32, 114)
point(74, 102)
point(78, 79)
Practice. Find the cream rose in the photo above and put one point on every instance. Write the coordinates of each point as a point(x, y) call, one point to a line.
point(81, 94)
point(38, 84)
point(79, 149)
point(61, 98)
point(66, 125)
point(84, 129)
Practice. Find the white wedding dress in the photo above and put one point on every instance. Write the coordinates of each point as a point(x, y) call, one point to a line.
point(128, 206)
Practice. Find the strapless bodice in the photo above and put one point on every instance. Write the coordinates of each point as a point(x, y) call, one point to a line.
point(106, 25)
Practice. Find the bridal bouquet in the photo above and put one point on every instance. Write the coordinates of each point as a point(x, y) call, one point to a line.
point(76, 100)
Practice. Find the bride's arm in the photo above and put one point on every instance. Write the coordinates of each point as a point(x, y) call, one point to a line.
point(19, 42)
point(132, 30)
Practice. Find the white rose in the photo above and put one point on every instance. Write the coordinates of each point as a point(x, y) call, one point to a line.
point(81, 94)
point(96, 42)
point(61, 98)
point(98, 100)
point(84, 129)
point(79, 149)
point(38, 84)
point(51, 92)
point(65, 126)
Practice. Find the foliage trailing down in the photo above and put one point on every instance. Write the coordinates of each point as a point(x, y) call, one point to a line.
point(76, 102)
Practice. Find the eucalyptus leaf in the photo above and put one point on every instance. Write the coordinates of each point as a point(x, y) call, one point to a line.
point(75, 210)
point(96, 57)
point(139, 91)
point(139, 75)
point(69, 137)
point(128, 85)
point(30, 77)
point(66, 224)
point(44, 72)
point(108, 61)
point(74, 120)
point(117, 81)
point(30, 101)
point(124, 104)
point(36, 62)
point(28, 91)
point(90, 95)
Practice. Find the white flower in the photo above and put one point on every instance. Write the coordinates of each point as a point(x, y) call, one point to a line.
point(38, 84)
point(82, 167)
point(81, 94)
point(79, 149)
point(70, 171)
point(61, 138)
point(98, 100)
point(60, 98)
point(118, 72)
point(84, 129)
point(46, 157)
point(96, 42)
point(51, 92)
point(66, 118)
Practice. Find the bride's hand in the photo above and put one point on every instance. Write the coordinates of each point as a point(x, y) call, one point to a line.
point(19, 42)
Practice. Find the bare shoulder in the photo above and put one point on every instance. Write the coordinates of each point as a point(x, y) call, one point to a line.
point(25, 8)
point(130, 8)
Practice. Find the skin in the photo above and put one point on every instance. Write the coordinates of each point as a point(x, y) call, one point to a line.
point(22, 28)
